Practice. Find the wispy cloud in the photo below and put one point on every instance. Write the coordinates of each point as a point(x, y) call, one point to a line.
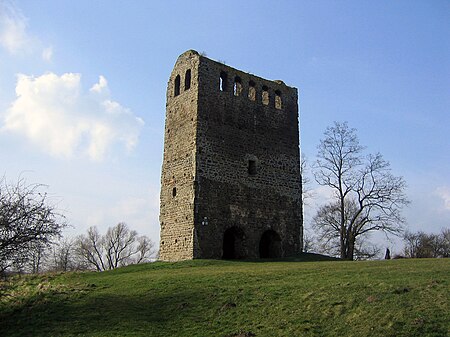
point(444, 193)
point(47, 54)
point(140, 212)
point(14, 35)
point(55, 113)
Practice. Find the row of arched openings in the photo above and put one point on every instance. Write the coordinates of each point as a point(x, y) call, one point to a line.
point(187, 82)
point(238, 90)
point(234, 244)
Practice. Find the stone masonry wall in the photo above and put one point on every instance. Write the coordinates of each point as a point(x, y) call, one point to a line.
point(236, 126)
point(231, 150)
point(178, 171)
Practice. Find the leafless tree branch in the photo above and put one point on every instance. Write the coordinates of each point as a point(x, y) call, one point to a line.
point(368, 196)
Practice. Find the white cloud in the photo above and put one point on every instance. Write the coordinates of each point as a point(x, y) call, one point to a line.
point(54, 113)
point(101, 86)
point(444, 194)
point(14, 35)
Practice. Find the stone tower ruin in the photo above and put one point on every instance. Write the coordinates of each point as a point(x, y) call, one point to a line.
point(230, 183)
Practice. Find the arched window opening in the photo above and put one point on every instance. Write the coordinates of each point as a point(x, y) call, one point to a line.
point(177, 86)
point(237, 86)
point(252, 167)
point(265, 95)
point(278, 101)
point(270, 245)
point(187, 79)
point(174, 192)
point(233, 240)
point(251, 91)
point(223, 81)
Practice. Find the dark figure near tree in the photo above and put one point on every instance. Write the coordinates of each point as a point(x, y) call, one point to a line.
point(387, 256)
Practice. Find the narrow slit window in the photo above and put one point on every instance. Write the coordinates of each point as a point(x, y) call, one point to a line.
point(174, 192)
point(177, 86)
point(251, 91)
point(265, 95)
point(237, 86)
point(187, 79)
point(278, 101)
point(223, 81)
point(252, 167)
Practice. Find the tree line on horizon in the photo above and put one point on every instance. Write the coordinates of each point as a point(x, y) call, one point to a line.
point(366, 197)
point(31, 237)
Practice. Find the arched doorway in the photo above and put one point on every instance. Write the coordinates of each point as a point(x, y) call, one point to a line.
point(270, 245)
point(232, 243)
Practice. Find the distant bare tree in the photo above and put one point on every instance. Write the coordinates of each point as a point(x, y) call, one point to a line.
point(308, 242)
point(62, 257)
point(28, 222)
point(445, 242)
point(307, 238)
point(418, 245)
point(423, 245)
point(90, 248)
point(367, 197)
point(145, 250)
point(306, 183)
point(120, 246)
point(36, 258)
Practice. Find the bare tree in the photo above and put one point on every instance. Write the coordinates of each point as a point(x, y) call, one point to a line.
point(445, 242)
point(120, 246)
point(28, 221)
point(308, 242)
point(306, 183)
point(35, 258)
point(63, 257)
point(423, 245)
point(306, 238)
point(145, 250)
point(90, 248)
point(367, 197)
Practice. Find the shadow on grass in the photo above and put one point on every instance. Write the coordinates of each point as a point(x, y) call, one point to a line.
point(301, 257)
point(105, 315)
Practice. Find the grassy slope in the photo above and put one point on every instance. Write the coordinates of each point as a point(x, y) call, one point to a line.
point(223, 298)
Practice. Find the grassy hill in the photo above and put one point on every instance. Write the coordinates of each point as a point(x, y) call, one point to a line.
point(235, 298)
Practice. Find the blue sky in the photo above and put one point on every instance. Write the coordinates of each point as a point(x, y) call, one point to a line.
point(82, 91)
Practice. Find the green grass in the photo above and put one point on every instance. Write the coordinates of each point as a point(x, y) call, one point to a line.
point(228, 298)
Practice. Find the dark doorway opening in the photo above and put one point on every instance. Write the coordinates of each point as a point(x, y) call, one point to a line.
point(232, 243)
point(252, 167)
point(270, 245)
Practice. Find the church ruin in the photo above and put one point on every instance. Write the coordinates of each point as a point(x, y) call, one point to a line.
point(230, 183)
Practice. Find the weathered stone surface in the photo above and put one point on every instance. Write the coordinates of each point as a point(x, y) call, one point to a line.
point(230, 184)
